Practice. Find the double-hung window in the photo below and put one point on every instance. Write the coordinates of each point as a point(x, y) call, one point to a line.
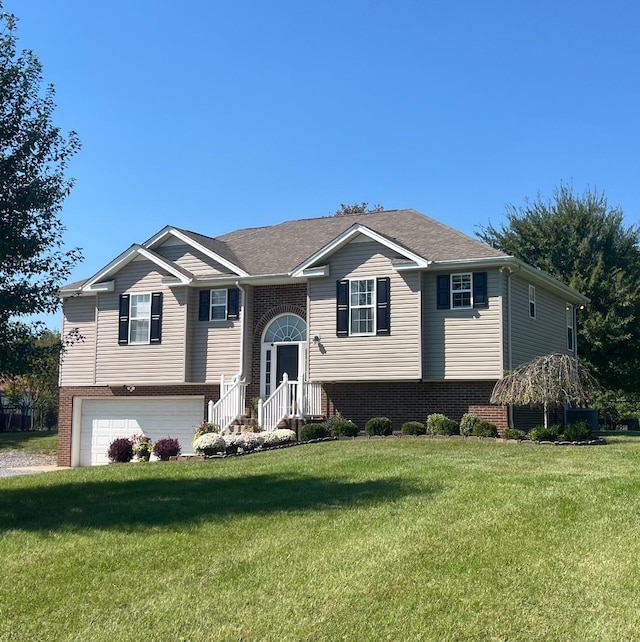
point(139, 318)
point(362, 300)
point(461, 290)
point(570, 328)
point(532, 301)
point(218, 305)
point(363, 307)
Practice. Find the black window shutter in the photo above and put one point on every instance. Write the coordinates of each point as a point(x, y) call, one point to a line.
point(156, 317)
point(233, 303)
point(480, 298)
point(342, 301)
point(123, 320)
point(205, 302)
point(443, 291)
point(383, 305)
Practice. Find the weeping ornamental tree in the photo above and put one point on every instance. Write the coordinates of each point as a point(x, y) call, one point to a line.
point(33, 158)
point(553, 379)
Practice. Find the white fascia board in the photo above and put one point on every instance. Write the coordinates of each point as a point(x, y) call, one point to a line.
point(344, 238)
point(102, 286)
point(319, 271)
point(154, 240)
point(125, 258)
point(225, 280)
point(514, 265)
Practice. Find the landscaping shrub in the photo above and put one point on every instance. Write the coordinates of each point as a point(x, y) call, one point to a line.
point(413, 428)
point(540, 433)
point(205, 427)
point(439, 424)
point(278, 437)
point(165, 448)
point(209, 443)
point(338, 426)
point(120, 450)
point(312, 431)
point(378, 426)
point(485, 429)
point(251, 440)
point(142, 447)
point(467, 423)
point(514, 433)
point(578, 431)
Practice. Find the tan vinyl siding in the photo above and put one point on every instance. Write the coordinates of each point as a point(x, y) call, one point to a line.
point(190, 259)
point(365, 358)
point(79, 359)
point(462, 344)
point(214, 346)
point(161, 363)
point(546, 333)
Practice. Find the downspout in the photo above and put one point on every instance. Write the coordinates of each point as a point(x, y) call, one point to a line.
point(242, 329)
point(510, 272)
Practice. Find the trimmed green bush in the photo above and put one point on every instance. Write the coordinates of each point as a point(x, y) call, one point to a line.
point(468, 421)
point(540, 433)
point(338, 426)
point(578, 431)
point(413, 428)
point(485, 429)
point(514, 433)
point(439, 424)
point(312, 431)
point(378, 426)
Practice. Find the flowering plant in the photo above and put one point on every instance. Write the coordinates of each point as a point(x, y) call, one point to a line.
point(142, 447)
point(209, 444)
point(279, 436)
point(205, 427)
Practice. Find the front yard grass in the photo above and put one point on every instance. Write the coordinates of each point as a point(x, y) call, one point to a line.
point(385, 539)
point(35, 442)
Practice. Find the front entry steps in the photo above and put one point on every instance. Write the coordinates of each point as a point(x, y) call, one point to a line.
point(246, 423)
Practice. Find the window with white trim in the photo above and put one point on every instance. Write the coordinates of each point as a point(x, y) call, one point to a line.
point(570, 328)
point(139, 318)
point(461, 290)
point(218, 310)
point(532, 301)
point(362, 305)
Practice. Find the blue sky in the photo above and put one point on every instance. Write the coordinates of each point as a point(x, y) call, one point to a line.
point(216, 115)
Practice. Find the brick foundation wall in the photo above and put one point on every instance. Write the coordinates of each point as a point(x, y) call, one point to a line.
point(412, 401)
point(270, 301)
point(65, 413)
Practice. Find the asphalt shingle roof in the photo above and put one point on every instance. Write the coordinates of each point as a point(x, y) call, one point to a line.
point(278, 249)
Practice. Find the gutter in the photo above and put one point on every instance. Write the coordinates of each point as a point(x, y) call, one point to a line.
point(242, 329)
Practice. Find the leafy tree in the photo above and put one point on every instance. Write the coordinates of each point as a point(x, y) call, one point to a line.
point(553, 379)
point(357, 208)
point(581, 241)
point(33, 158)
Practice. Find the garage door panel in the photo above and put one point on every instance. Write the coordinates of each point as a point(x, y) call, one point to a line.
point(104, 420)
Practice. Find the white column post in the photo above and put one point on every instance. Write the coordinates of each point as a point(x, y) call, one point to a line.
point(210, 411)
point(260, 413)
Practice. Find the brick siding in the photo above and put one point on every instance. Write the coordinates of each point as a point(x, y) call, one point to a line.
point(412, 401)
point(65, 416)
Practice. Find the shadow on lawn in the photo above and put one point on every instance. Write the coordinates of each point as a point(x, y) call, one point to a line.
point(146, 503)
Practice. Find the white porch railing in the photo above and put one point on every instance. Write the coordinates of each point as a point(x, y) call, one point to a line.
point(289, 399)
point(231, 404)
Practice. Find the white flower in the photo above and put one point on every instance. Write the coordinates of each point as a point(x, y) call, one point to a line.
point(209, 443)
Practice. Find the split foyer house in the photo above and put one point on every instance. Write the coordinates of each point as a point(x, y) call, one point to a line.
point(390, 313)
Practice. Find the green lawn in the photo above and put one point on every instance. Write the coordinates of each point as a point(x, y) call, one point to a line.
point(39, 442)
point(384, 539)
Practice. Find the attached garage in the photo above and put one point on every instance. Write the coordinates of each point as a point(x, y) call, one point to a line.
point(100, 421)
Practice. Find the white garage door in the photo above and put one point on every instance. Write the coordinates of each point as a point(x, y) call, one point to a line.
point(103, 420)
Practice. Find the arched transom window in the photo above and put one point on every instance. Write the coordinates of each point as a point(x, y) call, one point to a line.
point(288, 327)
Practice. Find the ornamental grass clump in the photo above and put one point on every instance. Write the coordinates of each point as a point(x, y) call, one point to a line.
point(378, 426)
point(120, 450)
point(439, 424)
point(209, 444)
point(413, 428)
point(166, 448)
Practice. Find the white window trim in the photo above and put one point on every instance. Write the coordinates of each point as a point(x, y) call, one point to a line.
point(572, 327)
point(470, 291)
point(372, 305)
point(219, 305)
point(132, 318)
point(532, 302)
